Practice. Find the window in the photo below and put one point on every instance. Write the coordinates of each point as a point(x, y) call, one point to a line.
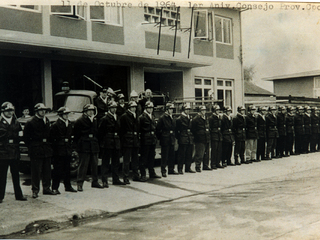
point(170, 15)
point(225, 92)
point(203, 25)
point(103, 14)
point(72, 11)
point(316, 89)
point(203, 89)
point(33, 8)
point(223, 30)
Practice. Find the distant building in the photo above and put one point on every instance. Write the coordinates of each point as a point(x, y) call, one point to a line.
point(255, 95)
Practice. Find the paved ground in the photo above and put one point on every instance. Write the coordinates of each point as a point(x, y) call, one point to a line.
point(270, 187)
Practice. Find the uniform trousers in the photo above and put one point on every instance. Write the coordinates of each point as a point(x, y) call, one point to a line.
point(251, 149)
point(14, 169)
point(216, 153)
point(314, 142)
point(148, 153)
point(114, 156)
point(281, 144)
point(167, 158)
point(289, 143)
point(40, 167)
point(261, 149)
point(85, 159)
point(130, 153)
point(239, 150)
point(61, 170)
point(226, 152)
point(299, 143)
point(306, 142)
point(271, 147)
point(185, 156)
point(202, 155)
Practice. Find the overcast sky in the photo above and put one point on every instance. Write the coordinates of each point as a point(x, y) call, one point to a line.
point(281, 42)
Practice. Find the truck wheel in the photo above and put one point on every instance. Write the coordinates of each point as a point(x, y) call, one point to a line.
point(74, 164)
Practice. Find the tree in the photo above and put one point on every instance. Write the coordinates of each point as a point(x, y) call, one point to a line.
point(249, 73)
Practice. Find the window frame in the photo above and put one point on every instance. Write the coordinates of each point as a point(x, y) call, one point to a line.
point(222, 29)
point(225, 88)
point(203, 87)
point(107, 15)
point(73, 13)
point(18, 7)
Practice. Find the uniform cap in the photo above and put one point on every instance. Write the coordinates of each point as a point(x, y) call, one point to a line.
point(149, 104)
point(252, 107)
point(314, 108)
point(40, 106)
point(240, 108)
point(272, 108)
point(148, 92)
point(202, 107)
point(282, 108)
point(110, 92)
point(88, 107)
point(132, 104)
point(300, 108)
point(134, 94)
point(228, 109)
point(186, 106)
point(307, 108)
point(112, 104)
point(264, 108)
point(7, 106)
point(63, 110)
point(169, 105)
point(120, 96)
point(215, 107)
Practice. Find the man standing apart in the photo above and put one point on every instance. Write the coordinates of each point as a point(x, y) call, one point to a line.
point(60, 135)
point(147, 130)
point(251, 134)
point(262, 134)
point(36, 137)
point(109, 139)
point(239, 129)
point(85, 137)
point(10, 154)
point(227, 136)
point(185, 139)
point(165, 131)
point(272, 133)
point(201, 133)
point(216, 138)
point(129, 128)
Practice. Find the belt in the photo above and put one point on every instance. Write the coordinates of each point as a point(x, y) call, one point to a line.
point(10, 140)
point(151, 132)
point(134, 133)
point(217, 128)
point(66, 139)
point(207, 130)
point(112, 134)
point(44, 140)
point(90, 135)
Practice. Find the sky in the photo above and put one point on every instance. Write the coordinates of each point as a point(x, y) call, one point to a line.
point(280, 42)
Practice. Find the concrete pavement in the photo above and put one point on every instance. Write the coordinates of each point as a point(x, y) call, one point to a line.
point(53, 212)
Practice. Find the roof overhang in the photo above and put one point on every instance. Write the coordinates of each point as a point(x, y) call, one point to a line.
point(293, 75)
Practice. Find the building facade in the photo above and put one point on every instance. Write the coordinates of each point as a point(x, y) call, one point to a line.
point(125, 48)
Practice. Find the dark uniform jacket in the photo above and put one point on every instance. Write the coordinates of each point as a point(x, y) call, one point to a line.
point(108, 132)
point(299, 124)
point(165, 130)
point(200, 129)
point(85, 135)
point(183, 130)
point(251, 126)
point(9, 139)
point(262, 127)
point(36, 136)
point(102, 107)
point(147, 129)
point(215, 127)
point(121, 110)
point(271, 122)
point(129, 130)
point(307, 124)
point(314, 123)
point(290, 123)
point(60, 136)
point(226, 129)
point(239, 127)
point(281, 124)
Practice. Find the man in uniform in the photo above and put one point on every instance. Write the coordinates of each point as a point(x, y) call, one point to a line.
point(147, 125)
point(216, 138)
point(85, 137)
point(251, 135)
point(307, 128)
point(165, 131)
point(262, 133)
point(272, 132)
point(185, 140)
point(36, 137)
point(282, 130)
point(108, 135)
point(60, 135)
point(122, 107)
point(290, 130)
point(239, 129)
point(299, 130)
point(101, 104)
point(10, 154)
point(201, 133)
point(129, 128)
point(227, 136)
point(135, 97)
point(314, 129)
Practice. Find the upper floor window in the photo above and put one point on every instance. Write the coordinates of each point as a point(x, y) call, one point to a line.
point(202, 89)
point(78, 11)
point(203, 25)
point(170, 16)
point(223, 30)
point(35, 8)
point(104, 14)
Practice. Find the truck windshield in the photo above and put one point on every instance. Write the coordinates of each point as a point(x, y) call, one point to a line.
point(74, 102)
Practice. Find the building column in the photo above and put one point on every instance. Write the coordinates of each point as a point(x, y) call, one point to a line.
point(47, 83)
point(136, 78)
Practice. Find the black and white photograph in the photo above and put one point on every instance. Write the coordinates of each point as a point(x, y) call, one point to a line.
point(189, 120)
